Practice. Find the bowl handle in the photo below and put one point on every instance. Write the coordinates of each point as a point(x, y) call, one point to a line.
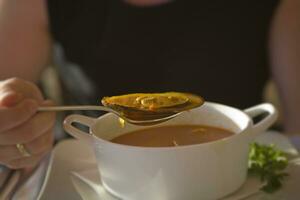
point(267, 121)
point(75, 132)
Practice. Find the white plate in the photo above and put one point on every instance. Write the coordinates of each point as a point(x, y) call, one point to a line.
point(71, 156)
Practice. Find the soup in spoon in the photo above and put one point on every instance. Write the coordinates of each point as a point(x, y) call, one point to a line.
point(147, 106)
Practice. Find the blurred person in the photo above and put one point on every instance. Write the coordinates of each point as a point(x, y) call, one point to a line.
point(223, 50)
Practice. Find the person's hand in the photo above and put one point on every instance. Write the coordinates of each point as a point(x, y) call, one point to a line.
point(20, 123)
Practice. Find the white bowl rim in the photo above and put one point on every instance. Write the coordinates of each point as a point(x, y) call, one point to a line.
point(202, 145)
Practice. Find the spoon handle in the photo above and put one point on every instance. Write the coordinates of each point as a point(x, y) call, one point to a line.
point(65, 108)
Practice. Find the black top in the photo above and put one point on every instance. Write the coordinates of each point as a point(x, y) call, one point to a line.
point(214, 48)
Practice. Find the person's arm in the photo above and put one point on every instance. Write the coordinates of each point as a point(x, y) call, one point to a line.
point(25, 44)
point(285, 61)
point(25, 48)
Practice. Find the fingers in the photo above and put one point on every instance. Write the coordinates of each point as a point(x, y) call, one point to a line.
point(25, 162)
point(10, 98)
point(21, 123)
point(27, 89)
point(38, 146)
point(32, 129)
point(42, 144)
point(14, 116)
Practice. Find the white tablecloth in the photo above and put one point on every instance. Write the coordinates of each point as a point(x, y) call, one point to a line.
point(30, 189)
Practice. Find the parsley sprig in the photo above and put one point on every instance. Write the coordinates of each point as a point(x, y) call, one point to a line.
point(268, 163)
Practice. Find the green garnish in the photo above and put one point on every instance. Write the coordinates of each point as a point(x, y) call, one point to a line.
point(268, 163)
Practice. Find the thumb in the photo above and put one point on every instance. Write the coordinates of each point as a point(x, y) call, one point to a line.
point(48, 102)
point(9, 99)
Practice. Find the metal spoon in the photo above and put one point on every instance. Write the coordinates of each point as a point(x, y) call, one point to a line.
point(142, 121)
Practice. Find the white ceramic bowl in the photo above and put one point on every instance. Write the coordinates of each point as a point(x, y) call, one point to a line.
point(203, 171)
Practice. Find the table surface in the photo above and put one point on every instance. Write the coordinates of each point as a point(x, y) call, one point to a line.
point(59, 186)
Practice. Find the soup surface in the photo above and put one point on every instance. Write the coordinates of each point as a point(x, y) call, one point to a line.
point(175, 135)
